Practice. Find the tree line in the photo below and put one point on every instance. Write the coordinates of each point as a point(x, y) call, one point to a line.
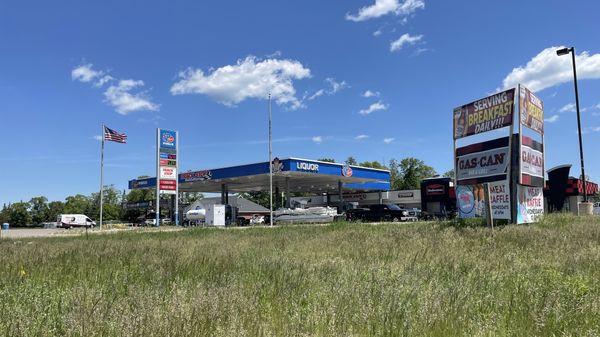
point(405, 174)
point(39, 210)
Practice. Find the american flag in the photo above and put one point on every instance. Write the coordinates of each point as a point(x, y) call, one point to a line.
point(112, 135)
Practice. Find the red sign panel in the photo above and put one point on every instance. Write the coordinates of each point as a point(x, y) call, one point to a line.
point(168, 185)
point(435, 189)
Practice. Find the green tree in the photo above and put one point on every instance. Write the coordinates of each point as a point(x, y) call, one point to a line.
point(112, 208)
point(77, 204)
point(351, 161)
point(38, 209)
point(449, 174)
point(4, 214)
point(395, 178)
point(411, 171)
point(189, 197)
point(19, 214)
point(55, 208)
point(261, 198)
point(327, 160)
point(373, 164)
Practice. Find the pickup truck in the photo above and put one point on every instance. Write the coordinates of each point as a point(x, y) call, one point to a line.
point(382, 212)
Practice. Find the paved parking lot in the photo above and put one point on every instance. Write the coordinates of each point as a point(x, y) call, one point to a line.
point(18, 233)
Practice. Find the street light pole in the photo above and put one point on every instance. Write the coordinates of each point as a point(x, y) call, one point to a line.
point(565, 51)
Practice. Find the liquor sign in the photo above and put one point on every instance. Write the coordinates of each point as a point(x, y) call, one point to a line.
point(531, 110)
point(487, 114)
point(531, 163)
point(530, 205)
point(482, 162)
point(471, 200)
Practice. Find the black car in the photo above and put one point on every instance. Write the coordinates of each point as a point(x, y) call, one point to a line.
point(381, 212)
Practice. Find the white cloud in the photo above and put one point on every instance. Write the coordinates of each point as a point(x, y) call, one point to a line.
point(317, 139)
point(97, 137)
point(372, 108)
point(336, 86)
point(370, 93)
point(384, 7)
point(124, 101)
point(118, 95)
point(85, 73)
point(319, 93)
point(552, 119)
point(248, 78)
point(591, 129)
point(388, 140)
point(377, 32)
point(404, 40)
point(103, 80)
point(547, 69)
point(567, 108)
point(361, 137)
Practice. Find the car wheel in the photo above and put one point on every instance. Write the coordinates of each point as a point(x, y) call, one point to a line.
point(395, 219)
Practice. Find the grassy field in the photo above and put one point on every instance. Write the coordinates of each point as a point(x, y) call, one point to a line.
point(426, 279)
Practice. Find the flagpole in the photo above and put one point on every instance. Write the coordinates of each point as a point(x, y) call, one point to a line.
point(101, 176)
point(270, 169)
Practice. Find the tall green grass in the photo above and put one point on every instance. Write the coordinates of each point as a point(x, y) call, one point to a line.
point(421, 279)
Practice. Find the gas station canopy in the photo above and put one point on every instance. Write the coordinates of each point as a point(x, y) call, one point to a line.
point(291, 175)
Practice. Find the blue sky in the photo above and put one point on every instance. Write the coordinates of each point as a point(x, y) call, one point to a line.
point(203, 68)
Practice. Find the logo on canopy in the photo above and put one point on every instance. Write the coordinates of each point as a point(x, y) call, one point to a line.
point(347, 171)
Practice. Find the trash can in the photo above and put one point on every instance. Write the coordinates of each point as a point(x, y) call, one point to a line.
point(5, 226)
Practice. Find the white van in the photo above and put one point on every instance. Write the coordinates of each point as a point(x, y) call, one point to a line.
point(74, 220)
point(597, 208)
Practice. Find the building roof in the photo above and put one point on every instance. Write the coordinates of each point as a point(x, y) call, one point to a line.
point(243, 205)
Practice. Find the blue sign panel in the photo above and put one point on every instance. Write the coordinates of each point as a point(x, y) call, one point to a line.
point(142, 183)
point(164, 155)
point(168, 139)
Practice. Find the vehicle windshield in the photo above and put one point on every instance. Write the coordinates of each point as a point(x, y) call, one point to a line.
point(88, 219)
point(394, 207)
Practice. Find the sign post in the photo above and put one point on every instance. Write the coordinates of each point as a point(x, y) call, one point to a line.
point(167, 179)
point(482, 170)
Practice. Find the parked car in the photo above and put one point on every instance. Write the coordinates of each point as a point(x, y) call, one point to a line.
point(597, 208)
point(74, 220)
point(381, 212)
point(150, 220)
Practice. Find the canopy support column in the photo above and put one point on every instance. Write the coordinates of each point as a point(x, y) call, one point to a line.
point(341, 197)
point(287, 192)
